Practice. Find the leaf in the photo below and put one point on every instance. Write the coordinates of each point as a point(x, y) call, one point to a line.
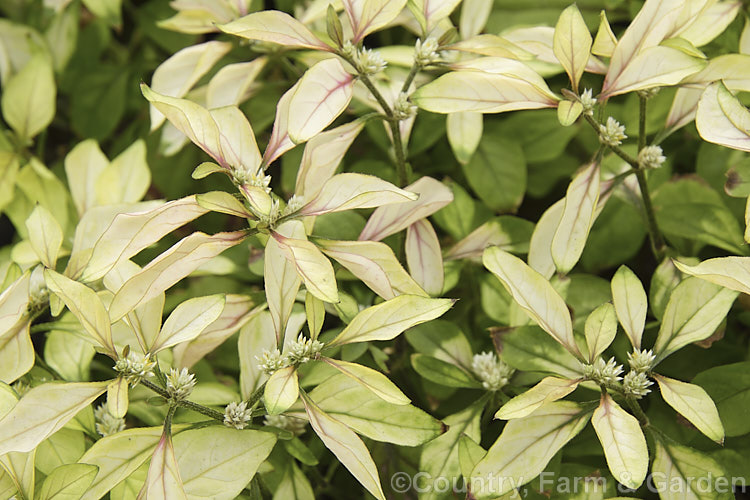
point(722, 119)
point(357, 407)
point(683, 472)
point(578, 216)
point(323, 93)
point(346, 446)
point(170, 267)
point(534, 295)
point(67, 482)
point(117, 398)
point(497, 173)
point(229, 461)
point(388, 319)
point(315, 314)
point(710, 22)
point(129, 233)
point(631, 304)
point(424, 257)
point(232, 83)
point(181, 71)
point(443, 340)
point(42, 411)
point(572, 44)
point(729, 272)
point(85, 305)
point(729, 387)
point(280, 143)
point(237, 140)
point(623, 442)
point(349, 191)
point(526, 446)
point(281, 391)
point(695, 310)
point(126, 179)
point(188, 320)
point(464, 131)
point(601, 328)
point(375, 381)
point(83, 166)
point(568, 112)
point(312, 266)
point(693, 403)
point(506, 231)
point(443, 372)
point(45, 235)
point(368, 16)
point(548, 390)
point(281, 280)
point(605, 40)
point(13, 302)
point(482, 92)
point(163, 481)
point(16, 351)
point(430, 12)
point(388, 220)
point(223, 202)
point(375, 264)
point(322, 155)
point(28, 100)
point(274, 26)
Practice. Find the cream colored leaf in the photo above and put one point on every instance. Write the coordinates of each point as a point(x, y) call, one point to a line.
point(367, 16)
point(534, 294)
point(83, 166)
point(491, 45)
point(42, 411)
point(375, 264)
point(281, 391)
point(126, 179)
point(683, 107)
point(117, 397)
point(682, 474)
point(346, 446)
point(722, 119)
point(504, 232)
point(375, 381)
point(710, 23)
point(464, 130)
point(17, 354)
point(474, 16)
point(424, 257)
point(577, 218)
point(181, 71)
point(311, 265)
point(548, 390)
point(274, 26)
point(281, 280)
point(388, 319)
point(729, 272)
point(692, 402)
point(605, 40)
point(323, 93)
point(568, 112)
point(163, 481)
point(600, 329)
point(223, 202)
point(280, 143)
point(731, 69)
point(623, 442)
point(129, 233)
point(13, 302)
point(631, 304)
point(540, 255)
point(349, 191)
point(388, 220)
point(572, 44)
point(255, 337)
point(315, 314)
point(237, 139)
point(188, 320)
point(232, 83)
point(170, 267)
point(432, 11)
point(45, 235)
point(85, 305)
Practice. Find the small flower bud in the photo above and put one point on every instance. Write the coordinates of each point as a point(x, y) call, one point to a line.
point(641, 361)
point(605, 373)
point(237, 415)
point(294, 425)
point(612, 134)
point(426, 52)
point(303, 350)
point(493, 372)
point(649, 93)
point(270, 361)
point(180, 384)
point(636, 384)
point(295, 203)
point(588, 101)
point(651, 157)
point(135, 367)
point(403, 108)
point(106, 423)
point(369, 62)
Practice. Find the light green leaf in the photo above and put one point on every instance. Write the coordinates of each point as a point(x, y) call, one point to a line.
point(126, 179)
point(469, 454)
point(540, 255)
point(548, 390)
point(16, 352)
point(346, 445)
point(388, 319)
point(375, 381)
point(568, 112)
point(631, 304)
point(578, 216)
point(572, 44)
point(722, 119)
point(188, 320)
point(68, 482)
point(275, 27)
point(20, 468)
point(311, 265)
point(497, 173)
point(375, 264)
point(443, 340)
point(526, 446)
point(85, 305)
point(693, 403)
point(729, 387)
point(281, 391)
point(682, 473)
point(368, 16)
point(605, 40)
point(170, 267)
point(163, 480)
point(729, 272)
point(695, 310)
point(83, 166)
point(42, 411)
point(506, 231)
point(349, 191)
point(109, 10)
point(601, 328)
point(623, 442)
point(442, 372)
point(28, 100)
point(117, 397)
point(13, 302)
point(223, 202)
point(323, 93)
point(464, 131)
point(534, 295)
point(45, 235)
point(315, 313)
point(281, 280)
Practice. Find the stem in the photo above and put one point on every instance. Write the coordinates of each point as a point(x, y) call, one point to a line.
point(256, 395)
point(642, 123)
point(633, 404)
point(209, 412)
point(168, 420)
point(410, 77)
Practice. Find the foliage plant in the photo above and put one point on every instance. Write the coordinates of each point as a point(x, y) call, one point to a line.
point(411, 235)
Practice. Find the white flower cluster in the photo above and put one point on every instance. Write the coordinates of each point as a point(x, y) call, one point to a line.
point(588, 101)
point(651, 157)
point(295, 203)
point(403, 108)
point(604, 373)
point(612, 134)
point(292, 424)
point(369, 62)
point(426, 52)
point(300, 351)
point(641, 360)
point(135, 367)
point(106, 423)
point(636, 384)
point(180, 384)
point(270, 361)
point(493, 372)
point(237, 415)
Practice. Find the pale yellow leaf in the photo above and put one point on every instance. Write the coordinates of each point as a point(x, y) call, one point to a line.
point(188, 320)
point(722, 119)
point(126, 179)
point(572, 44)
point(117, 397)
point(83, 165)
point(568, 112)
point(45, 235)
point(464, 130)
point(163, 481)
point(631, 304)
point(311, 265)
point(223, 202)
point(277, 27)
point(237, 139)
point(729, 272)
point(17, 354)
point(375, 381)
point(424, 257)
point(281, 391)
point(232, 84)
point(548, 390)
point(605, 40)
point(693, 403)
point(349, 191)
point(367, 16)
point(28, 100)
point(600, 329)
point(710, 23)
point(280, 143)
point(281, 280)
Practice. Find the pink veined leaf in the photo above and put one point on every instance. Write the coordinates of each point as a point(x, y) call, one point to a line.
point(277, 27)
point(424, 257)
point(367, 16)
point(280, 143)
